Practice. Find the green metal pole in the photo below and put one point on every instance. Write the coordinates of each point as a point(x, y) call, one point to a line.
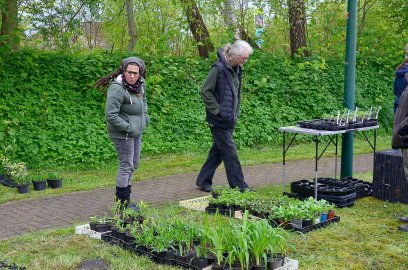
point(349, 87)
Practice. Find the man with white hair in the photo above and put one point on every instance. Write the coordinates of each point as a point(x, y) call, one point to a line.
point(221, 94)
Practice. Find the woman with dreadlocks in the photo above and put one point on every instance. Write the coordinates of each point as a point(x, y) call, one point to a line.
point(126, 117)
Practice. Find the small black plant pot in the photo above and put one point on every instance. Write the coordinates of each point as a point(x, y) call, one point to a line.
point(102, 228)
point(40, 185)
point(258, 267)
point(92, 225)
point(199, 262)
point(54, 183)
point(23, 189)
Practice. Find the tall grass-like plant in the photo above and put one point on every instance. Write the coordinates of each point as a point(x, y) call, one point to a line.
point(240, 247)
point(259, 240)
point(217, 240)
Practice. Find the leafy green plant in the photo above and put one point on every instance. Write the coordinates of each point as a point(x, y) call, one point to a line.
point(163, 237)
point(277, 91)
point(93, 219)
point(53, 176)
point(18, 172)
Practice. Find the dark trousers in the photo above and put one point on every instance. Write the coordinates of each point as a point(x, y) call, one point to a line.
point(222, 150)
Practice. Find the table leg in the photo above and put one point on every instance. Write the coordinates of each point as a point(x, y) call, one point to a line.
point(283, 162)
point(316, 160)
point(336, 156)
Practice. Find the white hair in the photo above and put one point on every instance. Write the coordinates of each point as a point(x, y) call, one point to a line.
point(238, 48)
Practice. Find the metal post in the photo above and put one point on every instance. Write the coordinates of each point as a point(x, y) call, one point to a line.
point(349, 87)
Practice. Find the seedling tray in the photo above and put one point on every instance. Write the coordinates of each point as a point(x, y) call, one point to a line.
point(318, 225)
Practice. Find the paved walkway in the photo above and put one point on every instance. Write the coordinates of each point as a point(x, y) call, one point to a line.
point(23, 216)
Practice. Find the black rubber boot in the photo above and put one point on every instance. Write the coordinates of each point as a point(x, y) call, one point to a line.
point(123, 195)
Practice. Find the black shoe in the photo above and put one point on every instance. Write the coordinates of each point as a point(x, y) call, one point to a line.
point(206, 189)
point(403, 228)
point(404, 219)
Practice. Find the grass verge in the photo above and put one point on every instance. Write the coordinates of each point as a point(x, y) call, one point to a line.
point(365, 238)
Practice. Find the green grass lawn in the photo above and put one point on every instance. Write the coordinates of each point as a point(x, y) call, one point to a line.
point(365, 238)
point(171, 164)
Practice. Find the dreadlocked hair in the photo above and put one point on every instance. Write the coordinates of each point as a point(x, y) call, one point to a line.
point(104, 82)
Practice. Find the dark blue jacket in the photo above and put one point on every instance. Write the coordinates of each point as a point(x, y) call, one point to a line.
point(223, 93)
point(400, 83)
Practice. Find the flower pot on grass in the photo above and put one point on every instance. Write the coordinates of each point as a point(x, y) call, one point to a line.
point(54, 183)
point(39, 185)
point(18, 172)
point(23, 188)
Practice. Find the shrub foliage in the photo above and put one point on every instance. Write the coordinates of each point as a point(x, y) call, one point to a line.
point(50, 113)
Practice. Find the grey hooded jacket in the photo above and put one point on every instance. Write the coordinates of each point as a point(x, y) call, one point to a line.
point(125, 112)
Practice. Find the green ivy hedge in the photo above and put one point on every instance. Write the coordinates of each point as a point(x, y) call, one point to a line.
point(50, 113)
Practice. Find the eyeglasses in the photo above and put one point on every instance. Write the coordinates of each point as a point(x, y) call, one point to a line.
point(130, 73)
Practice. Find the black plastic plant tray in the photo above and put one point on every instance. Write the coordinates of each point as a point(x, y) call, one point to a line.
point(353, 125)
point(8, 182)
point(318, 225)
point(108, 238)
point(338, 201)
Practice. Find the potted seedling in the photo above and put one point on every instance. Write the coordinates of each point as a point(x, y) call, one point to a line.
point(162, 241)
point(217, 242)
point(18, 172)
point(93, 221)
point(200, 259)
point(102, 225)
point(258, 242)
point(324, 207)
point(39, 182)
point(54, 180)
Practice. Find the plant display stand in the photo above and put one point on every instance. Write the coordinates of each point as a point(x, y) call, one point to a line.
point(333, 138)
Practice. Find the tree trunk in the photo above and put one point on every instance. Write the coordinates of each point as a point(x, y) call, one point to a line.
point(9, 25)
point(230, 18)
point(363, 8)
point(243, 9)
point(198, 28)
point(297, 23)
point(132, 31)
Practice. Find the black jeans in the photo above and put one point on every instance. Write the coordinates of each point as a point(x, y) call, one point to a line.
point(222, 150)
